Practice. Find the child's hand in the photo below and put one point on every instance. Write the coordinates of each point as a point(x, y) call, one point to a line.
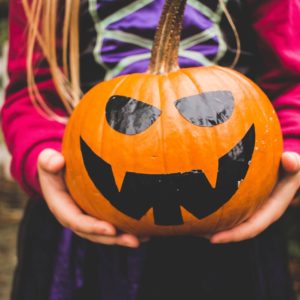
point(60, 203)
point(283, 194)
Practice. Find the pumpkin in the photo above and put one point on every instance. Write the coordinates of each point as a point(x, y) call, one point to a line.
point(173, 151)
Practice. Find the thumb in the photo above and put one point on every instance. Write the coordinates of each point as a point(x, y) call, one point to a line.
point(290, 162)
point(50, 161)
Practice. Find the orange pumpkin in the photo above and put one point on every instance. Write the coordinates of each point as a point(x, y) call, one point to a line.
point(173, 151)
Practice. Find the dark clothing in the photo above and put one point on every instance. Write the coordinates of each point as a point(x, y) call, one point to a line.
point(162, 269)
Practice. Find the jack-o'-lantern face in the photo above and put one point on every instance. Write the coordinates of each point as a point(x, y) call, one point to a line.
point(192, 151)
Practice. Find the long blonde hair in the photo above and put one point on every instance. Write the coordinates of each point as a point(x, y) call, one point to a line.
point(42, 19)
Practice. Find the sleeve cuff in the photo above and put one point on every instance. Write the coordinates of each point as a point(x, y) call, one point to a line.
point(292, 145)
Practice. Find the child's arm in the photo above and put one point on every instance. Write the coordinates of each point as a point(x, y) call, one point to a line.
point(277, 25)
point(26, 132)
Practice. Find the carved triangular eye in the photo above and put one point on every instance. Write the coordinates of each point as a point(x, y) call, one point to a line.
point(207, 109)
point(129, 116)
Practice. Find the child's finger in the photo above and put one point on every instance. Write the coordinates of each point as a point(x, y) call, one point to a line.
point(290, 162)
point(125, 240)
point(128, 240)
point(296, 200)
point(89, 225)
point(51, 161)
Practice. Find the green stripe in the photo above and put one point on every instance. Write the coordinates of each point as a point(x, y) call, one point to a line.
point(124, 63)
point(129, 38)
point(222, 44)
point(205, 10)
point(99, 40)
point(219, 10)
point(215, 17)
point(198, 38)
point(196, 56)
point(100, 27)
point(222, 47)
point(125, 11)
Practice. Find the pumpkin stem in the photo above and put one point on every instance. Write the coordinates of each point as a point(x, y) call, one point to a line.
point(164, 56)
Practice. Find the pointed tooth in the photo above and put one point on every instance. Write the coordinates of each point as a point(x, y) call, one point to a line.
point(119, 177)
point(211, 172)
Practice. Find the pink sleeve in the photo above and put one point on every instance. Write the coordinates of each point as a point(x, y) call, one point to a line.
point(277, 27)
point(26, 132)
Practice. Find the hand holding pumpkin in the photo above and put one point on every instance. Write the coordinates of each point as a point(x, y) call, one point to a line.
point(282, 195)
point(50, 166)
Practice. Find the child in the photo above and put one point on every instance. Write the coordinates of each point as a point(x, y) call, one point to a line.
point(114, 38)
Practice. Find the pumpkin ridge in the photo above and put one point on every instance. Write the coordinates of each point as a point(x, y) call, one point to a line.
point(143, 84)
point(198, 88)
point(163, 148)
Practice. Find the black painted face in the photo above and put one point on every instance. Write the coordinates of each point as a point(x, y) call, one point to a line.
point(166, 193)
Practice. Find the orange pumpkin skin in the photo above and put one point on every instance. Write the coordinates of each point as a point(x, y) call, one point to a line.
point(174, 145)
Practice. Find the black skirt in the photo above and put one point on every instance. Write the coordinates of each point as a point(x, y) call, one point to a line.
point(165, 268)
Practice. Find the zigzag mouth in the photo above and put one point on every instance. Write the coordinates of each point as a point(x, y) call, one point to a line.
point(166, 193)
